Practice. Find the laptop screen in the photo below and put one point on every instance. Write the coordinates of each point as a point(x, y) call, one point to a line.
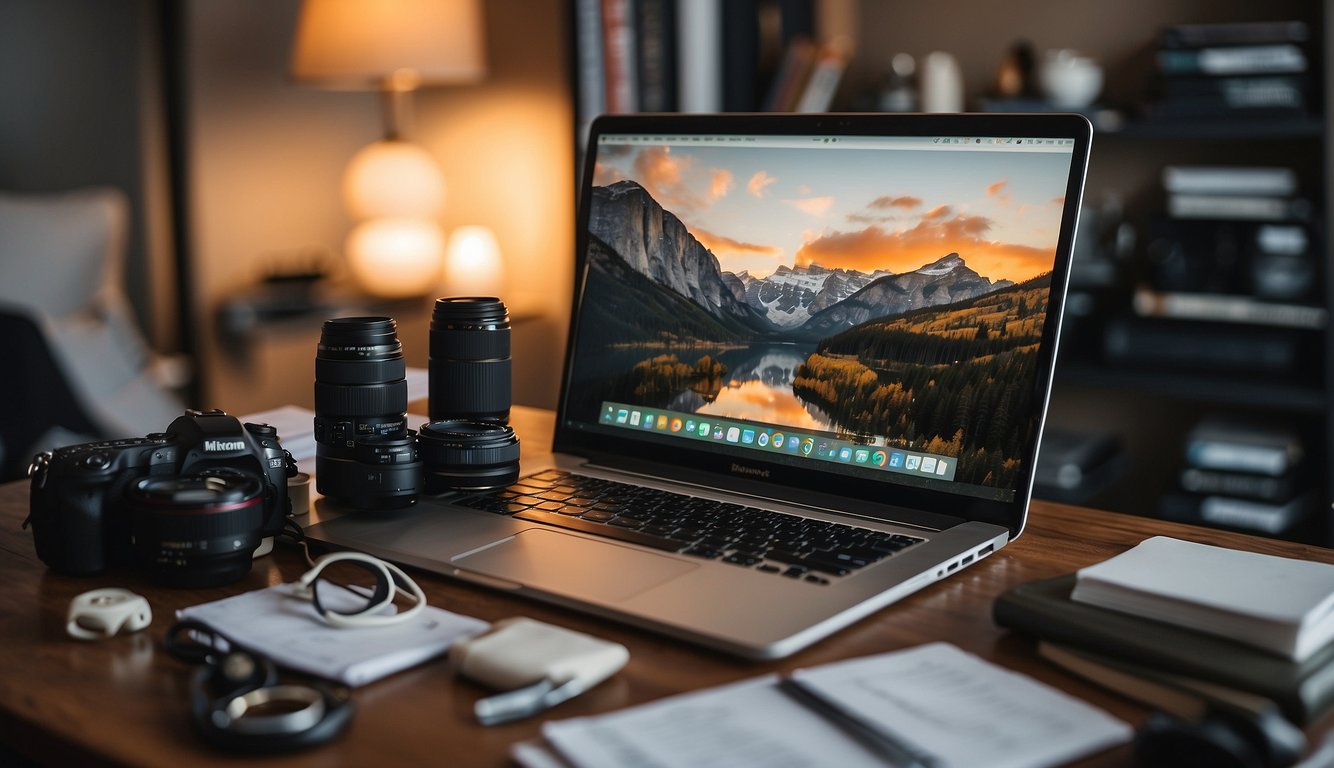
point(869, 305)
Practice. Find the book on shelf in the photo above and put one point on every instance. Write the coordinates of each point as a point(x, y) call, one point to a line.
point(1227, 308)
point(1043, 610)
point(740, 54)
point(1237, 207)
point(1229, 180)
point(1239, 484)
point(699, 56)
point(1234, 33)
point(1182, 96)
point(1231, 445)
point(589, 79)
point(1235, 70)
point(818, 95)
point(655, 24)
point(793, 72)
point(1243, 350)
point(1233, 60)
point(1280, 605)
point(1264, 517)
point(619, 57)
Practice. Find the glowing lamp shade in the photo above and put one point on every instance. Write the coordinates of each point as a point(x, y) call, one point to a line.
point(393, 178)
point(396, 257)
point(402, 43)
point(472, 264)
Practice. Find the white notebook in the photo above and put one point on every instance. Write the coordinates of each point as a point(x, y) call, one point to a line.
point(936, 705)
point(1279, 604)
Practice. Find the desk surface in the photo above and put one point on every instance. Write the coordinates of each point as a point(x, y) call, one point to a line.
point(124, 700)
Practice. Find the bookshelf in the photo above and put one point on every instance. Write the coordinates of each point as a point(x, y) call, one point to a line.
point(1150, 403)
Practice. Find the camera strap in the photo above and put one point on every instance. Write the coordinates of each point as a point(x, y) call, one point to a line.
point(238, 703)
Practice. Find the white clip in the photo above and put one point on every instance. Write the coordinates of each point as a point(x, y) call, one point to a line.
point(104, 612)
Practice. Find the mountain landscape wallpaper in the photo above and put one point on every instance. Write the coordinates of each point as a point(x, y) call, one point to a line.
point(893, 298)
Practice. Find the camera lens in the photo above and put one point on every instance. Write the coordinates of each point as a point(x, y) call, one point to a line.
point(470, 374)
point(196, 530)
point(462, 455)
point(361, 398)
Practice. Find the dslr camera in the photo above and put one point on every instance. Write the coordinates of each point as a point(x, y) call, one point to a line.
point(191, 504)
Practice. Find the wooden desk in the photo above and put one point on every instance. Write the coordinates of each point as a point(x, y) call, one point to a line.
point(124, 700)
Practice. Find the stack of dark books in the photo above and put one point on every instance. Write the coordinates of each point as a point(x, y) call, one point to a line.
point(1186, 627)
point(1240, 475)
point(1254, 69)
point(1234, 248)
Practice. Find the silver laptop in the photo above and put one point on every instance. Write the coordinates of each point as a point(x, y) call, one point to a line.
point(808, 366)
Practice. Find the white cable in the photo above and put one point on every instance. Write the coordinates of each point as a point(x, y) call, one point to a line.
point(398, 583)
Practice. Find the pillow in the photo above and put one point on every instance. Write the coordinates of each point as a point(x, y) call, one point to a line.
point(59, 253)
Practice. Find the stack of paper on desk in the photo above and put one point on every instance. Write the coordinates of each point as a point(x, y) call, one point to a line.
point(931, 705)
point(1274, 603)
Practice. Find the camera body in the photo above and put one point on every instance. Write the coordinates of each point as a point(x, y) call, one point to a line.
point(78, 502)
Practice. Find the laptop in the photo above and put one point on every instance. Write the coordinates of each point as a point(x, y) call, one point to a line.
point(808, 365)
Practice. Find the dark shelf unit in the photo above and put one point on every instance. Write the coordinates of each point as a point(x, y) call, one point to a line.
point(1211, 389)
point(1227, 129)
point(1153, 407)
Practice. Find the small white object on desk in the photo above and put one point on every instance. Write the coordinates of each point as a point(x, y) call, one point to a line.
point(105, 612)
point(1278, 604)
point(540, 665)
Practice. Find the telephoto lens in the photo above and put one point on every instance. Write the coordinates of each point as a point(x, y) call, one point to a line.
point(196, 530)
point(462, 455)
point(470, 374)
point(364, 453)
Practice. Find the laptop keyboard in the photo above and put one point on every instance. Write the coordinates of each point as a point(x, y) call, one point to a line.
point(747, 537)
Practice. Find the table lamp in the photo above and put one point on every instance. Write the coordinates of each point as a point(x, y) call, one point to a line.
point(393, 188)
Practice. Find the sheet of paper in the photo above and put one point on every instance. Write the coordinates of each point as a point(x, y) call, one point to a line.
point(963, 710)
point(289, 631)
point(745, 725)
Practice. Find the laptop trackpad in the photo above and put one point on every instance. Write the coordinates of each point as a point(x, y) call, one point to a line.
point(564, 564)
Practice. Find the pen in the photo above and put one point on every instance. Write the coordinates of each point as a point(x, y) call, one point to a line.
point(893, 750)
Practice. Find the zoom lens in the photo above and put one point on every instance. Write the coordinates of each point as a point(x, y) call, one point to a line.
point(361, 402)
point(464, 455)
point(470, 376)
point(196, 530)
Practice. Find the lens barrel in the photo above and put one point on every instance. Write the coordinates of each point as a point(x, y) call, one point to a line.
point(196, 530)
point(461, 455)
point(364, 453)
point(470, 366)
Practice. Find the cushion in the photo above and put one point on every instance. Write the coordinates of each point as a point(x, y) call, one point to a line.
point(60, 252)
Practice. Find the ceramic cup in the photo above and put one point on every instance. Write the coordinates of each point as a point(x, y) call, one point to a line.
point(1069, 79)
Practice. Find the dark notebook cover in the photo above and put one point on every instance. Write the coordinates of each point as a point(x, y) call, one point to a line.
point(1043, 609)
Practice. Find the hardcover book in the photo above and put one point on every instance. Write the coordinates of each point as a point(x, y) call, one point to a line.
point(1043, 609)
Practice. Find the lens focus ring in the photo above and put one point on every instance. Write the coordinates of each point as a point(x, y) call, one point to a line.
point(374, 400)
point(359, 371)
point(464, 343)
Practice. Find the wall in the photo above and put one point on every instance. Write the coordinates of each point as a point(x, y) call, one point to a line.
point(266, 157)
point(79, 81)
